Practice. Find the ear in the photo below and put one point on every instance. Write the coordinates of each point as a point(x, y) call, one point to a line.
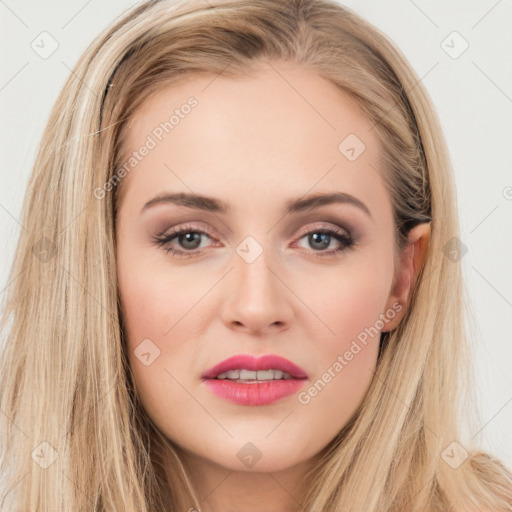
point(411, 261)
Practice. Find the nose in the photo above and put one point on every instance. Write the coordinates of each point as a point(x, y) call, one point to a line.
point(257, 297)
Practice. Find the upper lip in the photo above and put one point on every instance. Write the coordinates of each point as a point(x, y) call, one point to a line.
point(248, 362)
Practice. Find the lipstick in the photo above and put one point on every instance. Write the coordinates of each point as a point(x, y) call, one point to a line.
point(246, 380)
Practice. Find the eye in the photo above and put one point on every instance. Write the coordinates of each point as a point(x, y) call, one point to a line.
point(322, 236)
point(189, 238)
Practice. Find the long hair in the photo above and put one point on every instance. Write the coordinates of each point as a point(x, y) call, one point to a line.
point(75, 436)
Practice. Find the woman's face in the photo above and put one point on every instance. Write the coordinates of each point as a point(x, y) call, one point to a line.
point(273, 273)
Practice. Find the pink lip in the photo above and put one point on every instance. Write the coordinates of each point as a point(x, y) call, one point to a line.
point(254, 392)
point(248, 362)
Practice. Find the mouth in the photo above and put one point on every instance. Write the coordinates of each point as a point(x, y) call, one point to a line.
point(246, 380)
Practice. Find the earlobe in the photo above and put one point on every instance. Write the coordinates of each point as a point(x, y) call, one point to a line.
point(412, 260)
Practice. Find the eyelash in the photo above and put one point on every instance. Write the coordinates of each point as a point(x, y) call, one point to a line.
point(348, 241)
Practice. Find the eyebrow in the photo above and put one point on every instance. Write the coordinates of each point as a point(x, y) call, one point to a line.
point(211, 204)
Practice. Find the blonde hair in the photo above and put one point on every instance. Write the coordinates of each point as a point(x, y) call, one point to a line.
point(65, 379)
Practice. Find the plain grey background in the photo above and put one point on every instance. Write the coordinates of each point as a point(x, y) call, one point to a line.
point(460, 49)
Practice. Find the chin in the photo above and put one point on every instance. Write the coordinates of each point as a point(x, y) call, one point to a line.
point(256, 457)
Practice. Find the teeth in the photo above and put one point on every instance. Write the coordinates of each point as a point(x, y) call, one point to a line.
point(254, 375)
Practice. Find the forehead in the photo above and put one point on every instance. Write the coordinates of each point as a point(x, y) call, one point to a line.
point(280, 131)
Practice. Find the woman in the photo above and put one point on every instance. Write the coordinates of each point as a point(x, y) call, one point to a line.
point(256, 369)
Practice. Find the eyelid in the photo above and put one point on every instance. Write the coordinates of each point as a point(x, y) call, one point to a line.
point(187, 226)
point(200, 226)
point(324, 225)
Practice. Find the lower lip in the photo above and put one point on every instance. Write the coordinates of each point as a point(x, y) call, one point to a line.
point(256, 393)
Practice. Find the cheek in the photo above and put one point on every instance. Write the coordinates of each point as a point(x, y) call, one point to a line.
point(351, 303)
point(154, 297)
point(151, 313)
point(161, 305)
point(347, 353)
point(146, 305)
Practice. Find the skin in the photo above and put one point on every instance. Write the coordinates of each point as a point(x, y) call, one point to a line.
point(255, 143)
